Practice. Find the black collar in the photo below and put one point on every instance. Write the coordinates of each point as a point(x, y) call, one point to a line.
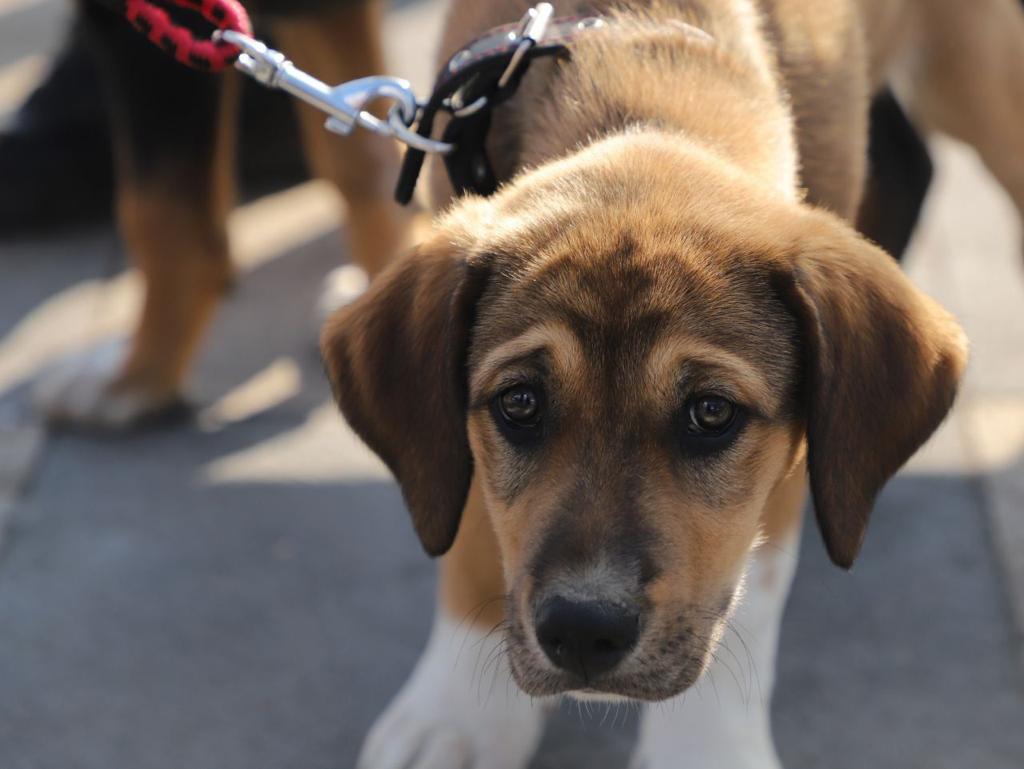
point(473, 82)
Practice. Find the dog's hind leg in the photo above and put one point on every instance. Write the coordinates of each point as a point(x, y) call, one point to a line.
point(173, 132)
point(460, 708)
point(337, 46)
point(966, 68)
point(724, 722)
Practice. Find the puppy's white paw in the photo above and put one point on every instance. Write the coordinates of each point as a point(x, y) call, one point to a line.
point(459, 710)
point(719, 725)
point(83, 390)
point(669, 740)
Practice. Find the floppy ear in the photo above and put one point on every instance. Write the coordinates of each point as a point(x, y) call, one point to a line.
point(882, 363)
point(396, 360)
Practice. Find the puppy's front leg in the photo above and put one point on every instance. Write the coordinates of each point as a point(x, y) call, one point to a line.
point(724, 721)
point(460, 708)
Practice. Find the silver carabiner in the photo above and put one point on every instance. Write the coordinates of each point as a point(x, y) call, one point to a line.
point(344, 104)
point(402, 131)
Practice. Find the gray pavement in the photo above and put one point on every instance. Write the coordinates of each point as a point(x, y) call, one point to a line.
point(245, 591)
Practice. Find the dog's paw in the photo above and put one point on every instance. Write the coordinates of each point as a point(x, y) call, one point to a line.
point(459, 710)
point(680, 753)
point(88, 389)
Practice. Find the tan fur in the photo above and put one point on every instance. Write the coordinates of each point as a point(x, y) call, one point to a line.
point(676, 353)
point(472, 587)
point(555, 338)
point(782, 512)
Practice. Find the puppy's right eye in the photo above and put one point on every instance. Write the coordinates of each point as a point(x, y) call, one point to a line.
point(517, 411)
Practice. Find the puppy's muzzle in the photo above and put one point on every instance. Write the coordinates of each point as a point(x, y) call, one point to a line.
point(586, 638)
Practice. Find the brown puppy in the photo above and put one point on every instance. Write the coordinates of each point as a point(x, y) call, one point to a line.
point(617, 369)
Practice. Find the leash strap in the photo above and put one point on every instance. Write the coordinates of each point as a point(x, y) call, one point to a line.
point(474, 81)
point(177, 40)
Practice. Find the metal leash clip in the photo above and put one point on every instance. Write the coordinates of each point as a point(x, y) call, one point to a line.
point(344, 104)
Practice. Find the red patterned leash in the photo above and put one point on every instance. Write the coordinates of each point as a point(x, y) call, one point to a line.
point(208, 55)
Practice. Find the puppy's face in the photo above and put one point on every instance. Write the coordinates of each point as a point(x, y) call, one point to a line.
point(631, 407)
point(629, 366)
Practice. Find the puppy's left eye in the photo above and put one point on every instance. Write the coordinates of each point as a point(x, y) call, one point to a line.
point(517, 411)
point(710, 415)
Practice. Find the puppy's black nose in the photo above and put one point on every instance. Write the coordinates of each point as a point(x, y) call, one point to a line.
point(586, 638)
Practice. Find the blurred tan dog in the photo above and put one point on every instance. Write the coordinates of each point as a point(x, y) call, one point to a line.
point(602, 389)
